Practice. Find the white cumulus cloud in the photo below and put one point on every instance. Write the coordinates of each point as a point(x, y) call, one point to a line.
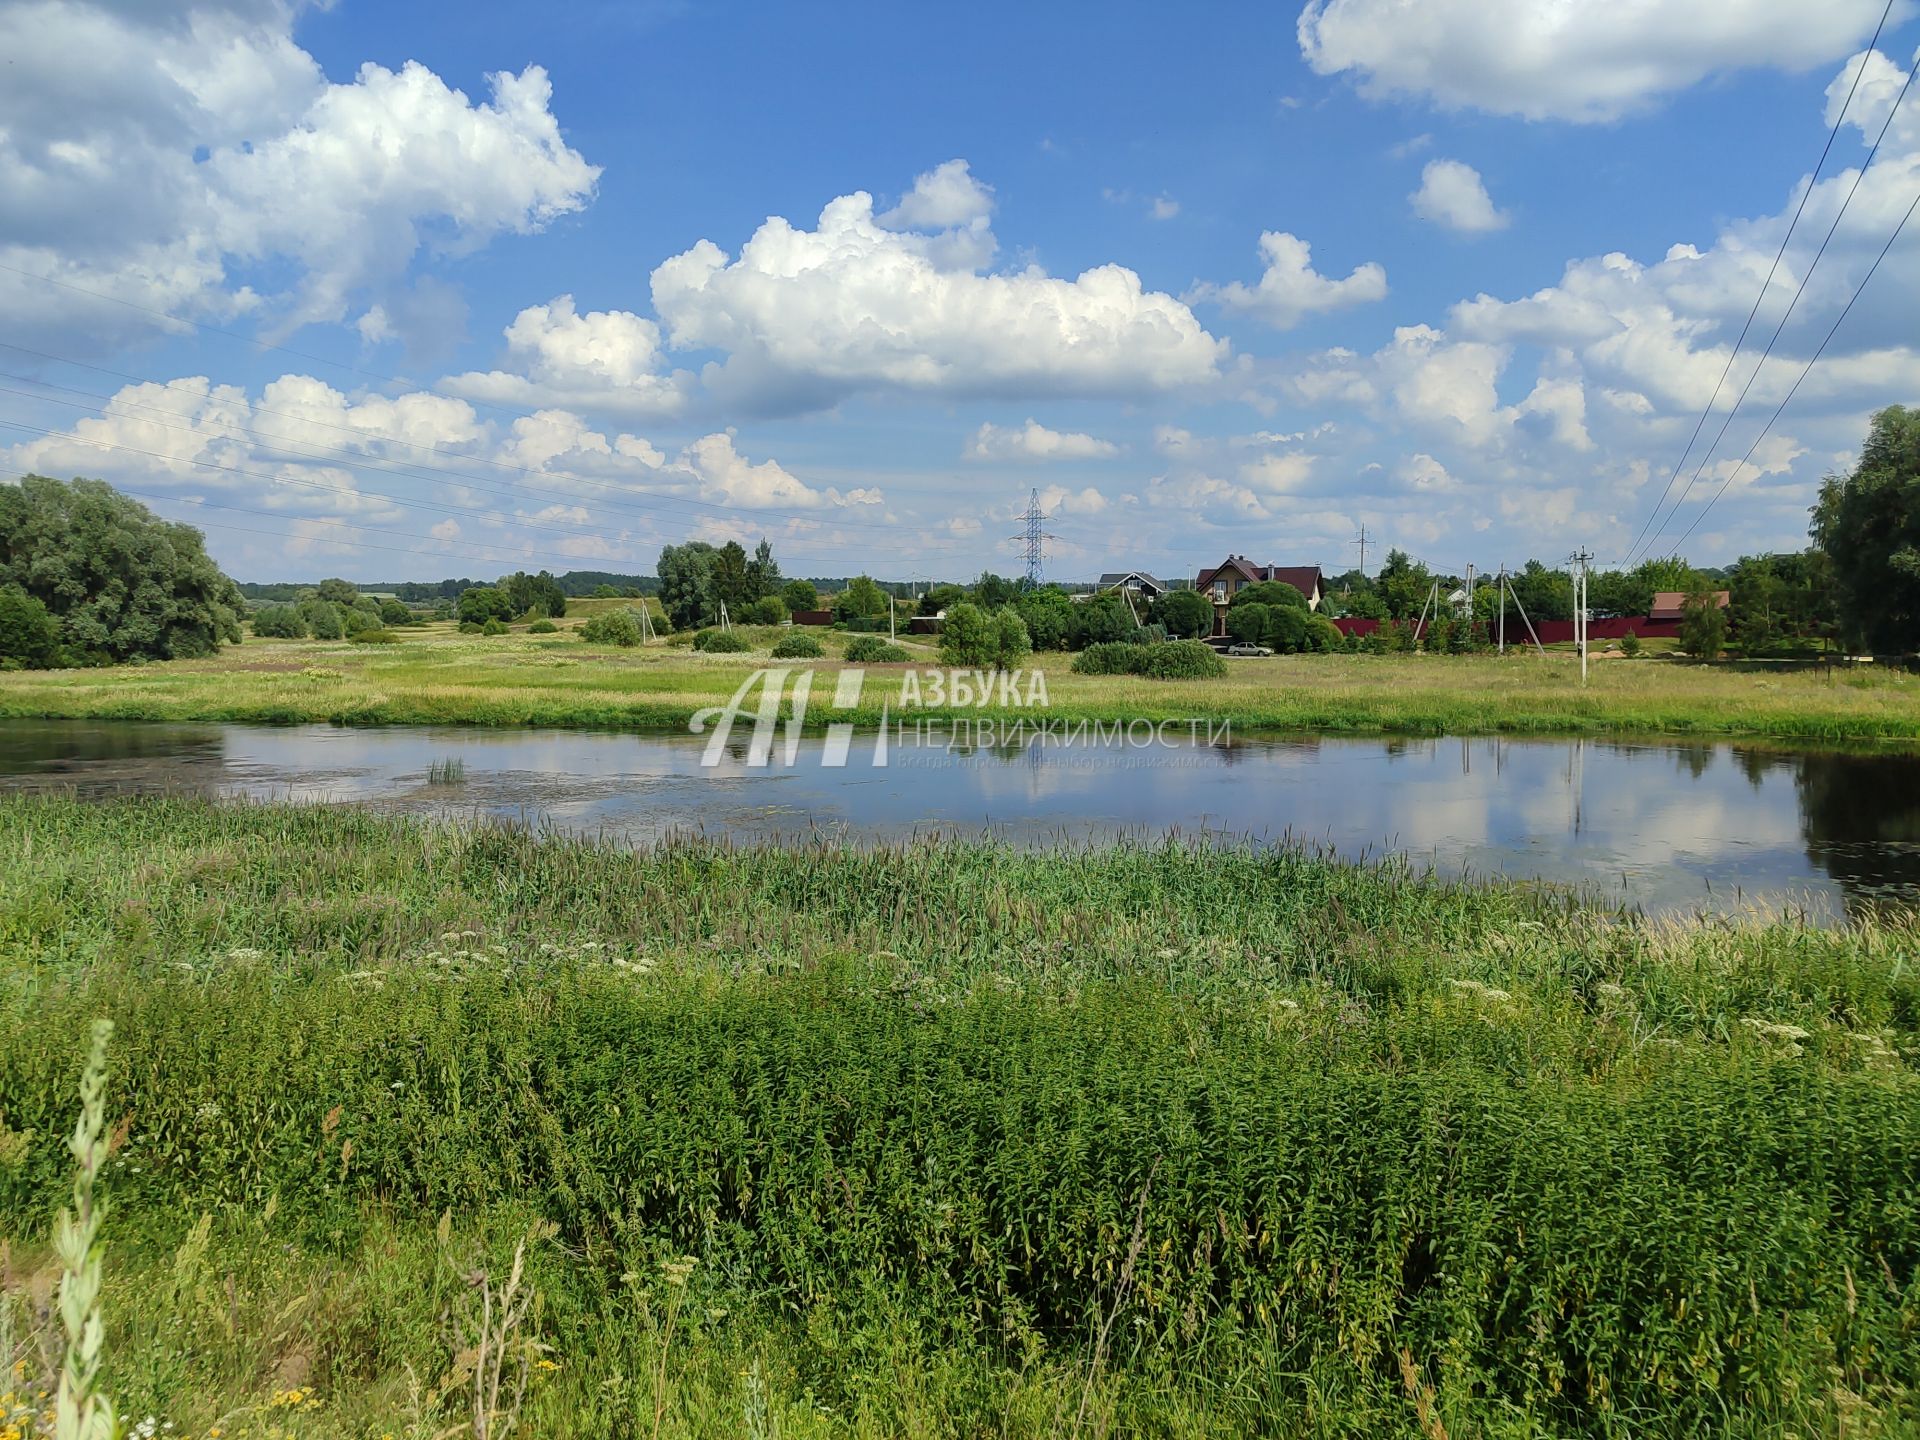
point(1290, 288)
point(807, 317)
point(1581, 60)
point(604, 360)
point(1452, 194)
point(1034, 441)
point(171, 155)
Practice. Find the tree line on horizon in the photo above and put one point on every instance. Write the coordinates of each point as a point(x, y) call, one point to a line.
point(89, 576)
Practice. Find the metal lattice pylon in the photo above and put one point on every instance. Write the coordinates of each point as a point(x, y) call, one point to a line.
point(1035, 537)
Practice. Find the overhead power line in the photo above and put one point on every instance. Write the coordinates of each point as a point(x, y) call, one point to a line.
point(1805, 370)
point(1825, 150)
point(1839, 215)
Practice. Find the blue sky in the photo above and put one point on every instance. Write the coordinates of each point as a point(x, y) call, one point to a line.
point(1213, 279)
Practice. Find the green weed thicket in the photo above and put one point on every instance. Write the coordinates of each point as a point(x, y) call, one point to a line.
point(957, 1139)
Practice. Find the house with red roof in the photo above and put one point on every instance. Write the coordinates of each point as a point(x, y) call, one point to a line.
point(1224, 580)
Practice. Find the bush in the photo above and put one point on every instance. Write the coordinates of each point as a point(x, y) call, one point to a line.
point(798, 646)
point(1179, 660)
point(279, 622)
point(865, 624)
point(967, 637)
point(1630, 645)
point(1108, 657)
point(1187, 614)
point(354, 619)
point(720, 642)
point(392, 613)
point(470, 627)
point(543, 627)
point(872, 650)
point(374, 637)
point(324, 619)
point(1172, 660)
point(1269, 592)
point(1323, 636)
point(613, 627)
point(485, 602)
point(494, 627)
point(1286, 629)
point(770, 610)
point(29, 635)
point(1249, 623)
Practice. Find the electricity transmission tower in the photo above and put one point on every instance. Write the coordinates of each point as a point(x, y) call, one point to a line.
point(1035, 537)
point(1362, 543)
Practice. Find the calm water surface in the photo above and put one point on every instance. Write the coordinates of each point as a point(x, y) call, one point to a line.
point(1666, 826)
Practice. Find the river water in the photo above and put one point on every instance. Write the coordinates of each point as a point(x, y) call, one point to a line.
point(1665, 826)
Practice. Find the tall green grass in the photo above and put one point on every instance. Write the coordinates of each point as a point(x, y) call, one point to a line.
point(956, 1139)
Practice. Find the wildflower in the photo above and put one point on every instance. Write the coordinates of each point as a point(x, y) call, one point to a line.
point(245, 954)
point(678, 1271)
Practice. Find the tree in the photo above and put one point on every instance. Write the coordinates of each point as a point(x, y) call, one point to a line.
point(392, 612)
point(800, 595)
point(1048, 615)
point(1102, 618)
point(119, 581)
point(1364, 605)
point(730, 586)
point(767, 610)
point(483, 603)
point(29, 635)
point(279, 622)
point(763, 573)
point(1546, 594)
point(967, 636)
point(940, 597)
point(1011, 642)
point(337, 592)
point(686, 585)
point(1868, 526)
point(1187, 614)
point(1269, 592)
point(1248, 623)
point(861, 598)
point(534, 594)
point(1403, 585)
point(1287, 628)
point(1703, 624)
point(323, 619)
point(991, 591)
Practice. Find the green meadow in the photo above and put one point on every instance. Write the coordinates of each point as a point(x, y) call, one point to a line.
point(940, 1141)
point(434, 675)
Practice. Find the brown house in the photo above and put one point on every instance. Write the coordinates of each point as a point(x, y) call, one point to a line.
point(1224, 580)
point(1668, 604)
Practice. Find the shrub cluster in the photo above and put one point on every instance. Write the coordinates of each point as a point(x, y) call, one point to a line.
point(872, 650)
point(797, 646)
point(720, 642)
point(1173, 660)
point(612, 627)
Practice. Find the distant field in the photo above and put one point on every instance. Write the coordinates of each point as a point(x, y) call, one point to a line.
point(437, 676)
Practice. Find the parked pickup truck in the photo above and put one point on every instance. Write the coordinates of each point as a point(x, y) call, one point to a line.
point(1248, 650)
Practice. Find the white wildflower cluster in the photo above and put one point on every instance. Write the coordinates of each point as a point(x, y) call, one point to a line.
point(1473, 989)
point(245, 954)
point(1788, 1036)
point(148, 1427)
point(468, 952)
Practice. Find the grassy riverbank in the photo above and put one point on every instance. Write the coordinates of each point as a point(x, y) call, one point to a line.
point(436, 676)
point(947, 1141)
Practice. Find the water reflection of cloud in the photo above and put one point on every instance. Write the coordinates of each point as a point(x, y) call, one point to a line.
point(1660, 823)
